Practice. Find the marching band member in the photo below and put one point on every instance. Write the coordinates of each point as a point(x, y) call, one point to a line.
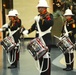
point(43, 25)
point(13, 26)
point(69, 25)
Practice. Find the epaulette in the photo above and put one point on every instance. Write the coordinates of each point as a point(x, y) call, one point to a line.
point(71, 21)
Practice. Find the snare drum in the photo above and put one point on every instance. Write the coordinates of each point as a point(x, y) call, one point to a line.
point(8, 43)
point(65, 44)
point(37, 48)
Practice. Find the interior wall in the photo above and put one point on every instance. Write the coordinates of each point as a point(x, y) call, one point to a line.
point(27, 10)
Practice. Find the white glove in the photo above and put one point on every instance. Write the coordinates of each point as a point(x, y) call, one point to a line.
point(1, 29)
point(25, 32)
point(5, 26)
point(60, 38)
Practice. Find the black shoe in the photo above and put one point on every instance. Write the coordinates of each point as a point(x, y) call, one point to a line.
point(12, 66)
point(68, 69)
point(64, 68)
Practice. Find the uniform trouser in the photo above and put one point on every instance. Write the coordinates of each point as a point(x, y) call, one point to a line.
point(69, 59)
point(46, 67)
point(14, 56)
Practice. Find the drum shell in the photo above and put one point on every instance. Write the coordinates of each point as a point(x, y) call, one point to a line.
point(36, 48)
point(65, 44)
point(8, 43)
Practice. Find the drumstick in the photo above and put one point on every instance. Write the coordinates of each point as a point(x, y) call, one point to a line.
point(68, 32)
point(57, 37)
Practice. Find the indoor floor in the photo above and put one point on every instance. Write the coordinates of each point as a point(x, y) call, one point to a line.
point(28, 66)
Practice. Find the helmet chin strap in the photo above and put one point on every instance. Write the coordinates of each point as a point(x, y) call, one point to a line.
point(69, 19)
point(43, 11)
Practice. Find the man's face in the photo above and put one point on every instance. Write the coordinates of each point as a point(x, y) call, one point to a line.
point(11, 18)
point(68, 17)
point(42, 10)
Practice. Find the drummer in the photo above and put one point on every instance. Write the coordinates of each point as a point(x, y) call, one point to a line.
point(69, 25)
point(43, 25)
point(13, 26)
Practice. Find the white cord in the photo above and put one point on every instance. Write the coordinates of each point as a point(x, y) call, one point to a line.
point(70, 61)
point(12, 60)
point(40, 69)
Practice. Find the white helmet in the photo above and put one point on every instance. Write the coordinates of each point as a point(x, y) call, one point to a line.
point(15, 11)
point(68, 12)
point(11, 13)
point(42, 3)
